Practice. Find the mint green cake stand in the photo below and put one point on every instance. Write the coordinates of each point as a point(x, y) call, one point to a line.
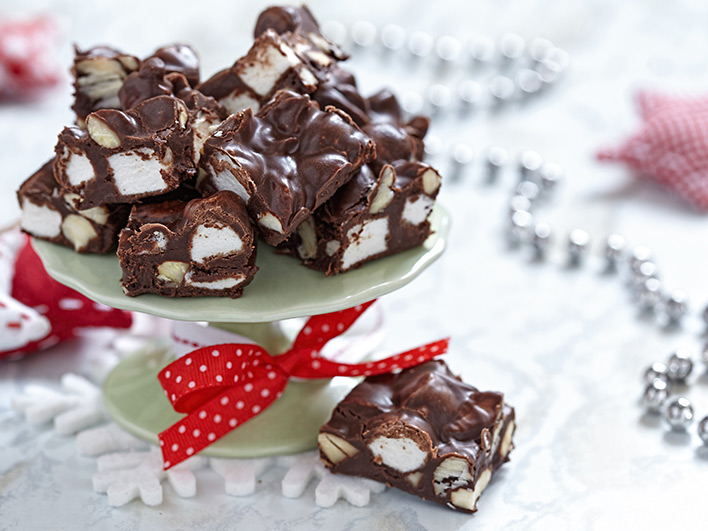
point(282, 289)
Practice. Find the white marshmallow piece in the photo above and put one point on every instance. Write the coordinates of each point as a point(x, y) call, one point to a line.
point(78, 168)
point(40, 220)
point(210, 242)
point(400, 453)
point(367, 239)
point(417, 209)
point(138, 172)
point(238, 101)
point(223, 283)
point(270, 63)
point(227, 180)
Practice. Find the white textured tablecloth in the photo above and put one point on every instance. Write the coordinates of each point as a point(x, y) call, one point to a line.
point(567, 347)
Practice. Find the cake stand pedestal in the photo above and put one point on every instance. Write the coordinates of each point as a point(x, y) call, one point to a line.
point(282, 289)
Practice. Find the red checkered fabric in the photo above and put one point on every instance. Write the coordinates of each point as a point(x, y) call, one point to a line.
point(671, 146)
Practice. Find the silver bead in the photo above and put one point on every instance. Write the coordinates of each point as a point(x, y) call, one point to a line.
point(448, 49)
point(529, 165)
point(393, 37)
point(647, 270)
point(704, 354)
point(481, 50)
point(511, 46)
point(558, 56)
point(658, 371)
point(548, 71)
point(412, 102)
point(538, 48)
point(703, 429)
point(649, 294)
point(501, 89)
point(433, 145)
point(655, 395)
point(363, 33)
point(519, 202)
point(420, 44)
point(615, 248)
point(440, 97)
point(335, 31)
point(640, 254)
point(528, 189)
point(679, 413)
point(541, 239)
point(705, 315)
point(550, 174)
point(462, 156)
point(520, 227)
point(578, 244)
point(528, 81)
point(679, 365)
point(676, 305)
point(496, 158)
point(470, 93)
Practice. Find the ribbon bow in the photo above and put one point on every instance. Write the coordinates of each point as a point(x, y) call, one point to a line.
point(222, 386)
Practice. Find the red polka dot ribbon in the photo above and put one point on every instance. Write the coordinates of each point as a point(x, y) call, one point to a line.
point(221, 387)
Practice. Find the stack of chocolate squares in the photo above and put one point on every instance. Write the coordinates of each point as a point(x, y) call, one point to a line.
point(185, 175)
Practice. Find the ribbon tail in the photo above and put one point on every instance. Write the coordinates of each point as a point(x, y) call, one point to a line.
point(318, 367)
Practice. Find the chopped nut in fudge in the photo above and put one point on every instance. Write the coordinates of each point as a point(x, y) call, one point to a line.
point(99, 73)
point(180, 249)
point(50, 213)
point(376, 214)
point(126, 156)
point(423, 431)
point(284, 161)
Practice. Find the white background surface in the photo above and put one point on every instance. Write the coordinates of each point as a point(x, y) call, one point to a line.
point(567, 347)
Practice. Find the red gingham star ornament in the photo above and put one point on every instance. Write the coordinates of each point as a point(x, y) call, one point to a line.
point(37, 312)
point(221, 387)
point(671, 146)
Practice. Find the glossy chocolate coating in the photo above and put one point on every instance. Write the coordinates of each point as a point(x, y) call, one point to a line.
point(42, 190)
point(429, 405)
point(395, 140)
point(292, 157)
point(151, 79)
point(174, 223)
point(155, 124)
point(339, 90)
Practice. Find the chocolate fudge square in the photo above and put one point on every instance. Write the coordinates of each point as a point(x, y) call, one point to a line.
point(423, 431)
point(185, 249)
